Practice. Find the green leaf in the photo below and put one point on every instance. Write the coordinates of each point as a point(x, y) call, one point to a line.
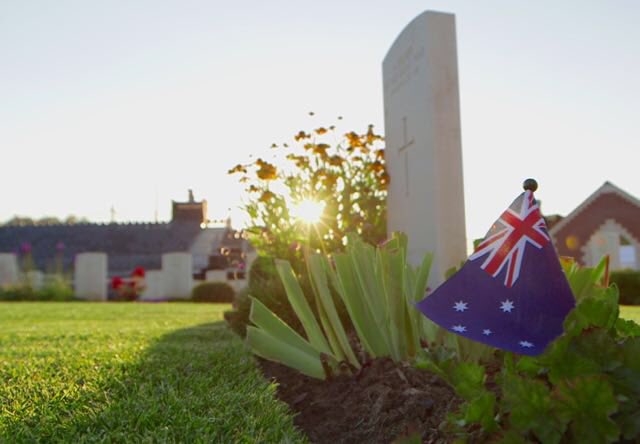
point(600, 311)
point(481, 410)
point(273, 349)
point(301, 307)
point(627, 327)
point(629, 420)
point(345, 281)
point(468, 380)
point(587, 403)
point(511, 437)
point(266, 320)
point(317, 266)
point(529, 366)
point(391, 267)
point(530, 406)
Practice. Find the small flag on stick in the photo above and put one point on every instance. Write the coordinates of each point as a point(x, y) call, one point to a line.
point(511, 293)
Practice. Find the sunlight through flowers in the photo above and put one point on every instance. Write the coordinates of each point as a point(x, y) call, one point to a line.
point(308, 211)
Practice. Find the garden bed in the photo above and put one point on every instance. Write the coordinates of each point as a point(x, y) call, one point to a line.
point(383, 402)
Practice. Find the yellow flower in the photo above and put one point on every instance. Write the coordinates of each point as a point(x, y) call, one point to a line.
point(266, 170)
point(301, 135)
point(371, 136)
point(376, 166)
point(237, 169)
point(335, 160)
point(354, 140)
point(321, 149)
point(266, 196)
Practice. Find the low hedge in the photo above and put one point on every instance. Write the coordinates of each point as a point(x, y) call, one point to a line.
point(628, 283)
point(54, 290)
point(213, 292)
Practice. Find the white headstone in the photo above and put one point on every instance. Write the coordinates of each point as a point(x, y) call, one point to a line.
point(91, 276)
point(8, 269)
point(215, 276)
point(177, 270)
point(154, 286)
point(35, 279)
point(423, 142)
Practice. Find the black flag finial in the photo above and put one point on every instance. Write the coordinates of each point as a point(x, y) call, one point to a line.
point(530, 184)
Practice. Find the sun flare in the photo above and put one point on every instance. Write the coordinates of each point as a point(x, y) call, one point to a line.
point(308, 211)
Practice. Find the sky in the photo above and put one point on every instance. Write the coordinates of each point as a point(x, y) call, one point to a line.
point(127, 104)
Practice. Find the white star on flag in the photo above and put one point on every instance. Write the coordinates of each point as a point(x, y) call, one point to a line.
point(459, 328)
point(486, 332)
point(506, 306)
point(526, 344)
point(460, 306)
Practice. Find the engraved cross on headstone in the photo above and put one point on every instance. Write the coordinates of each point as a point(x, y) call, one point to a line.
point(406, 144)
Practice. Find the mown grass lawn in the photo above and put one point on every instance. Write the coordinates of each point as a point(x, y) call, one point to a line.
point(631, 312)
point(88, 372)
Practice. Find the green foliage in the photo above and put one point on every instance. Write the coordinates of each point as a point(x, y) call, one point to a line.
point(238, 318)
point(628, 282)
point(55, 288)
point(266, 286)
point(140, 373)
point(584, 388)
point(346, 174)
point(378, 288)
point(212, 292)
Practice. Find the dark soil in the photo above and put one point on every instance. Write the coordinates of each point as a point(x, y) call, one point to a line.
point(384, 402)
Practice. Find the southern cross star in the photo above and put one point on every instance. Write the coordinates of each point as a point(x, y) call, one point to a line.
point(459, 328)
point(506, 306)
point(460, 306)
point(486, 332)
point(526, 344)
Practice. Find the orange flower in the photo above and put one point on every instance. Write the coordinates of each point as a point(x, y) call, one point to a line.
point(320, 131)
point(380, 154)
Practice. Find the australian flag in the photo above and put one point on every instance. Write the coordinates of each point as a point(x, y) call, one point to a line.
point(511, 293)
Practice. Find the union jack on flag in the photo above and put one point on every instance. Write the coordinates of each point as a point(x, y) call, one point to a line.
point(505, 244)
point(511, 293)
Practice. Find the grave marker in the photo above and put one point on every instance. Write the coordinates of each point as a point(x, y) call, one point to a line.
point(424, 151)
point(8, 269)
point(91, 276)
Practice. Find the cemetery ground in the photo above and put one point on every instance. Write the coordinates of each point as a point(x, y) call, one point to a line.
point(118, 372)
point(165, 372)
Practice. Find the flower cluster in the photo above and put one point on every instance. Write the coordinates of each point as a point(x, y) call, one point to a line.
point(343, 171)
point(129, 289)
